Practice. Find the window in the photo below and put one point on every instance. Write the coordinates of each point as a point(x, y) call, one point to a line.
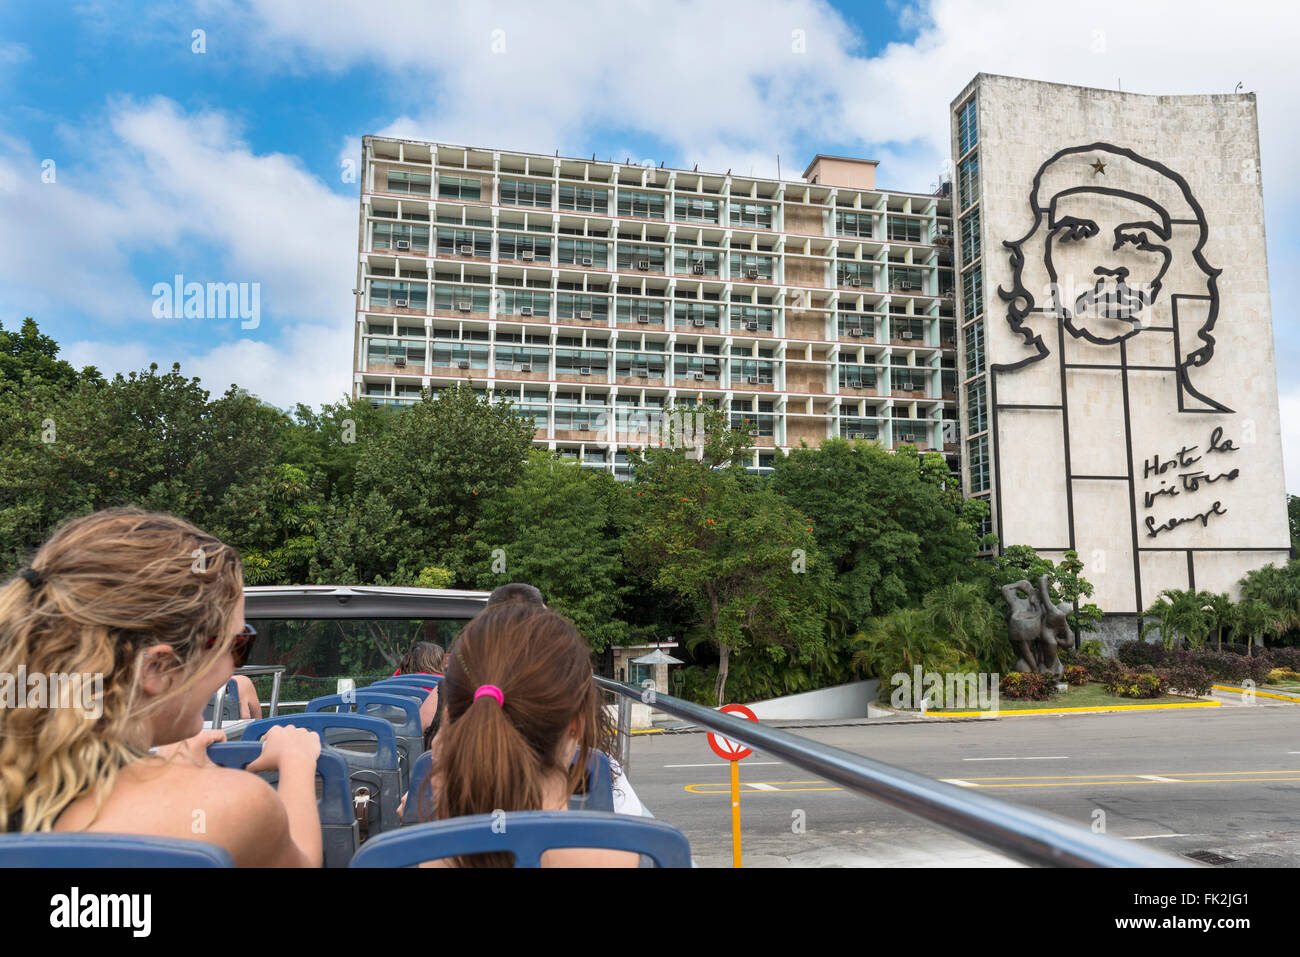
point(412, 184)
point(584, 200)
point(583, 252)
point(853, 326)
point(640, 258)
point(976, 407)
point(641, 205)
point(967, 128)
point(745, 265)
point(568, 306)
point(691, 209)
point(388, 235)
point(459, 187)
point(411, 296)
point(853, 224)
point(464, 242)
point(754, 215)
point(451, 299)
point(517, 193)
point(632, 364)
point(573, 361)
point(634, 310)
point(968, 184)
point(903, 229)
point(687, 315)
point(742, 317)
point(972, 294)
point(978, 458)
point(697, 262)
point(903, 279)
point(855, 274)
point(856, 376)
point(970, 237)
point(513, 302)
point(975, 348)
point(742, 370)
point(524, 247)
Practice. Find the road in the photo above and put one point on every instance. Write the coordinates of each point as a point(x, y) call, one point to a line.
point(1217, 781)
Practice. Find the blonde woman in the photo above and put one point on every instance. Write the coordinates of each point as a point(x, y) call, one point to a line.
point(141, 618)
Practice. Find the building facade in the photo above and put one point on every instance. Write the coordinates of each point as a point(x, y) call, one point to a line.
point(594, 294)
point(1119, 394)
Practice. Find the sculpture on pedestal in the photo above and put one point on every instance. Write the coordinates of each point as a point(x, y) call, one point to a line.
point(1037, 627)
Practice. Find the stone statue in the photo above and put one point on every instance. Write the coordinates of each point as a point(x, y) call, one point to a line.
point(1037, 627)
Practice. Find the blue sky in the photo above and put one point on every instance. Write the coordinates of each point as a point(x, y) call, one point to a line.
point(226, 163)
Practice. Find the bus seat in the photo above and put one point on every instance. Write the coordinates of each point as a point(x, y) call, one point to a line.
point(409, 681)
point(338, 821)
point(399, 710)
point(420, 771)
point(82, 849)
point(526, 834)
point(229, 707)
point(367, 744)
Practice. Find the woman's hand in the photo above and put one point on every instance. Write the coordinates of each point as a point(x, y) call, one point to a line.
point(196, 748)
point(285, 743)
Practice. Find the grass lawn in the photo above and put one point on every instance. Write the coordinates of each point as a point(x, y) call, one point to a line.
point(1078, 696)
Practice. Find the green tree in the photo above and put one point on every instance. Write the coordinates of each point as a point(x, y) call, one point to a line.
point(29, 354)
point(1279, 588)
point(1293, 519)
point(1180, 615)
point(739, 557)
point(1065, 582)
point(961, 611)
point(550, 529)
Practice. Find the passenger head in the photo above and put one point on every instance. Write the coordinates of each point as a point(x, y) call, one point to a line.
point(424, 658)
point(515, 591)
point(499, 755)
point(143, 607)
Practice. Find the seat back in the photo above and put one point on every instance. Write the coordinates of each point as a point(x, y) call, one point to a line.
point(81, 849)
point(418, 791)
point(367, 744)
point(229, 705)
point(399, 710)
point(338, 821)
point(526, 834)
point(407, 681)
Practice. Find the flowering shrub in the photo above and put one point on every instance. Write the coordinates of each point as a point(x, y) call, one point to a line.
point(1280, 675)
point(1137, 685)
point(1075, 675)
point(1027, 686)
point(1134, 653)
point(1187, 679)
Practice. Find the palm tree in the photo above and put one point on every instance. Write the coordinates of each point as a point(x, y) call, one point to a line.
point(961, 612)
point(1255, 617)
point(1179, 614)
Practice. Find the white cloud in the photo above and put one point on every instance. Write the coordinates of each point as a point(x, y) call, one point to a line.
point(1289, 407)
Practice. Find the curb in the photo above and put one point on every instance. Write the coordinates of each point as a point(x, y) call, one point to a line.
point(1257, 693)
point(1018, 713)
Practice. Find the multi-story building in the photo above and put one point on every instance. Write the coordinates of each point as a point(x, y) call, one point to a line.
point(593, 294)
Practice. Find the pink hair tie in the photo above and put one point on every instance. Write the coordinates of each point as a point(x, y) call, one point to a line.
point(492, 691)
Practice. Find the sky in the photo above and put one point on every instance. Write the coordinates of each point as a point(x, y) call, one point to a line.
point(218, 139)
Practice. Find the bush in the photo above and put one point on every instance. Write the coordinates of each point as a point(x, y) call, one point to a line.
point(1279, 675)
point(1137, 685)
point(1076, 675)
point(1221, 665)
point(1187, 679)
point(1092, 649)
point(1027, 686)
point(1135, 653)
point(1288, 658)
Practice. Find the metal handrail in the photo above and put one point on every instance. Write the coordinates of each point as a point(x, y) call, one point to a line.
point(1029, 836)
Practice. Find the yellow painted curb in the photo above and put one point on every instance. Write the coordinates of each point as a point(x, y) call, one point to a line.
point(1032, 711)
point(1257, 692)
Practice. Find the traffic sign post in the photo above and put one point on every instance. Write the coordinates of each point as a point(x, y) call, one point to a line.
point(734, 752)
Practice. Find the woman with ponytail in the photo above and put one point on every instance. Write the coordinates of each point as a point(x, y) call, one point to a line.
point(522, 716)
point(148, 611)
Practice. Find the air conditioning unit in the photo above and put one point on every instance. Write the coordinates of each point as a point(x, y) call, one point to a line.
point(584, 370)
point(698, 269)
point(753, 433)
point(751, 379)
point(857, 333)
point(400, 361)
point(399, 303)
point(464, 305)
point(752, 326)
point(907, 334)
point(751, 273)
point(584, 426)
point(855, 282)
point(584, 313)
point(643, 373)
point(525, 254)
point(902, 285)
point(403, 244)
point(467, 249)
point(853, 383)
point(526, 367)
point(697, 322)
point(525, 310)
point(697, 376)
point(643, 317)
point(462, 363)
point(586, 260)
point(643, 264)
point(857, 435)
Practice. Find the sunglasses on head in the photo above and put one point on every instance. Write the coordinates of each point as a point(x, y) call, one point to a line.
point(243, 644)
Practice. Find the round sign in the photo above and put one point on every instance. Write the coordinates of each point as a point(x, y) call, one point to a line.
point(725, 748)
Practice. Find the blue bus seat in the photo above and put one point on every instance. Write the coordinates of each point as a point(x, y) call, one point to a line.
point(229, 707)
point(338, 820)
point(526, 834)
point(91, 849)
point(399, 710)
point(367, 744)
point(420, 772)
point(407, 681)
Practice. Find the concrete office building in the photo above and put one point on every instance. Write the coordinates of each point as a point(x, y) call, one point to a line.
point(1118, 388)
point(594, 294)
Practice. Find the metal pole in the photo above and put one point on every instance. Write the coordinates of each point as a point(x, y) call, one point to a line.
point(275, 692)
point(624, 732)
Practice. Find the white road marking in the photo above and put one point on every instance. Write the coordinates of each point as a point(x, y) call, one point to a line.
point(761, 787)
point(1156, 777)
point(1045, 757)
point(959, 782)
point(721, 764)
point(1152, 837)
